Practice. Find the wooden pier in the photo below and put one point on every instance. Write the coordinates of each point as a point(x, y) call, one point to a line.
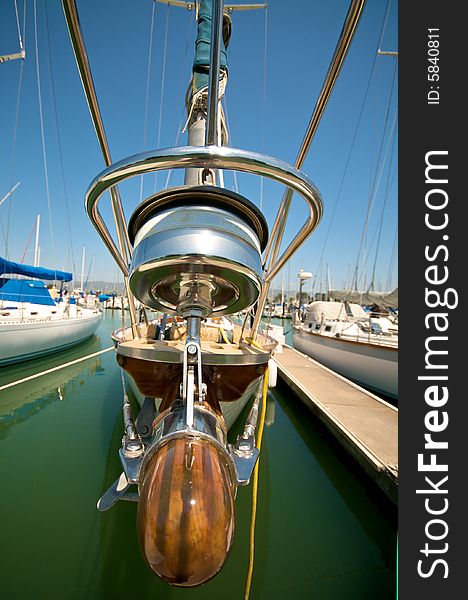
point(364, 424)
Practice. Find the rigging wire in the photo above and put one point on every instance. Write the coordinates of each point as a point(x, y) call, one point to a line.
point(150, 52)
point(370, 208)
point(265, 48)
point(18, 23)
point(379, 164)
point(377, 177)
point(44, 153)
point(179, 130)
point(163, 81)
point(88, 275)
point(391, 174)
point(228, 127)
point(59, 143)
point(29, 240)
point(13, 159)
point(15, 130)
point(351, 149)
point(387, 190)
point(376, 230)
point(377, 101)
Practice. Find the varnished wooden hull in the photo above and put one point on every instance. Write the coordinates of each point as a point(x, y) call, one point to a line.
point(229, 410)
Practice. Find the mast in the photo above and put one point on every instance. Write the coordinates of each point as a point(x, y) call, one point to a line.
point(205, 114)
point(8, 194)
point(206, 119)
point(36, 244)
point(82, 267)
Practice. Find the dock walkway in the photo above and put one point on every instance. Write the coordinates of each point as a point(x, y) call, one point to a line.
point(364, 424)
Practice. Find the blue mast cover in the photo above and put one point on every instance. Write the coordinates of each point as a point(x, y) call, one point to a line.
point(201, 64)
point(12, 268)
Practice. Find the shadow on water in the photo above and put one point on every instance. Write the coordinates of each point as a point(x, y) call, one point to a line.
point(375, 512)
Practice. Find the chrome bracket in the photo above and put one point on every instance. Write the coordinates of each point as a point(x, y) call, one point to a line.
point(131, 458)
point(117, 491)
point(131, 463)
point(244, 455)
point(192, 361)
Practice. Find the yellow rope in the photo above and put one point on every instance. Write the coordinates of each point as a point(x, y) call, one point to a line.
point(253, 343)
point(255, 487)
point(224, 336)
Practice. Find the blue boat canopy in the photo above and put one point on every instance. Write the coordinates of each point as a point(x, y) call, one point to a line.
point(25, 290)
point(12, 268)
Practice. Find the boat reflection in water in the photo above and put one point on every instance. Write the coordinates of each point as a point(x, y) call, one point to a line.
point(25, 400)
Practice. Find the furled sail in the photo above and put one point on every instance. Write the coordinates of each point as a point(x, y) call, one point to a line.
point(8, 267)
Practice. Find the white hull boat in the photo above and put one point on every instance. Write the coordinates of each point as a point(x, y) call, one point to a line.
point(32, 324)
point(350, 345)
point(24, 340)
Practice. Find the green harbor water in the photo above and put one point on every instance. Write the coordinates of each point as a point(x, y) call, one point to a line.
point(323, 531)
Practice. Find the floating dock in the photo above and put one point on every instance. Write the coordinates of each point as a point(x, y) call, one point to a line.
point(365, 425)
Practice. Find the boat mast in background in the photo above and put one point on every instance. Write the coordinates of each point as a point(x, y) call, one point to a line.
point(37, 249)
point(22, 52)
point(82, 268)
point(8, 194)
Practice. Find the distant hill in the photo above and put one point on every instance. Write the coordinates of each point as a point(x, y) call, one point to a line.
point(105, 286)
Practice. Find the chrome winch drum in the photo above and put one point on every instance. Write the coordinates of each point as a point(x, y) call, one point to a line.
point(200, 240)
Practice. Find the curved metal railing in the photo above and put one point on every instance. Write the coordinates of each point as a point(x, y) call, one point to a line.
point(216, 157)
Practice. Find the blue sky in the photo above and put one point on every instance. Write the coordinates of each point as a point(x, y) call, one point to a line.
point(268, 115)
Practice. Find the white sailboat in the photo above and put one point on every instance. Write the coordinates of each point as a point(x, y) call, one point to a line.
point(343, 337)
point(32, 323)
